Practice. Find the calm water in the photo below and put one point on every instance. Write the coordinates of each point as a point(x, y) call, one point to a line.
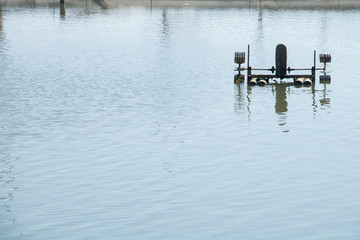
point(125, 124)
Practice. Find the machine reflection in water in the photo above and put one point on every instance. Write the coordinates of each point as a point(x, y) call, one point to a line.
point(245, 100)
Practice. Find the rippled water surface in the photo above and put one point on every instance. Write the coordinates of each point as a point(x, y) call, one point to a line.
point(125, 124)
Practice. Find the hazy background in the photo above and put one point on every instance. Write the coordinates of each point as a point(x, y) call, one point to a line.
point(203, 3)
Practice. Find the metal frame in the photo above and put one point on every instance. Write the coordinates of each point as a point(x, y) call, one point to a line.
point(240, 58)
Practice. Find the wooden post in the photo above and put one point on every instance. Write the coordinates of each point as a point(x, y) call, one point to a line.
point(62, 9)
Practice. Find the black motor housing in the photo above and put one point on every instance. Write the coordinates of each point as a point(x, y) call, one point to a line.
point(280, 60)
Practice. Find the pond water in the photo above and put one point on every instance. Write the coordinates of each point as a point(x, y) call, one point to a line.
point(125, 124)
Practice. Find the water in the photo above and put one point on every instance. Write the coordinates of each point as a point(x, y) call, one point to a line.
point(125, 124)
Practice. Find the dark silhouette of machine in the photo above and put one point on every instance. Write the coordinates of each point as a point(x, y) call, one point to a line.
point(281, 70)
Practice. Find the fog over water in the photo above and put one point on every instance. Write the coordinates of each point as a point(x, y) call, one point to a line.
point(125, 123)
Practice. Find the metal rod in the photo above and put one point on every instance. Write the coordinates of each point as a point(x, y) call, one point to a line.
point(262, 69)
point(314, 73)
point(248, 61)
point(300, 69)
point(303, 69)
point(291, 69)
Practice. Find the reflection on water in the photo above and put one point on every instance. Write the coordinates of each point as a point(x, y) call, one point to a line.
point(62, 11)
point(325, 100)
point(260, 30)
point(324, 29)
point(1, 23)
point(281, 104)
point(165, 27)
point(7, 183)
point(280, 97)
point(281, 92)
point(2, 39)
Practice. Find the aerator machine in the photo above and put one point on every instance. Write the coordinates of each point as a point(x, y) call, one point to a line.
point(281, 70)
